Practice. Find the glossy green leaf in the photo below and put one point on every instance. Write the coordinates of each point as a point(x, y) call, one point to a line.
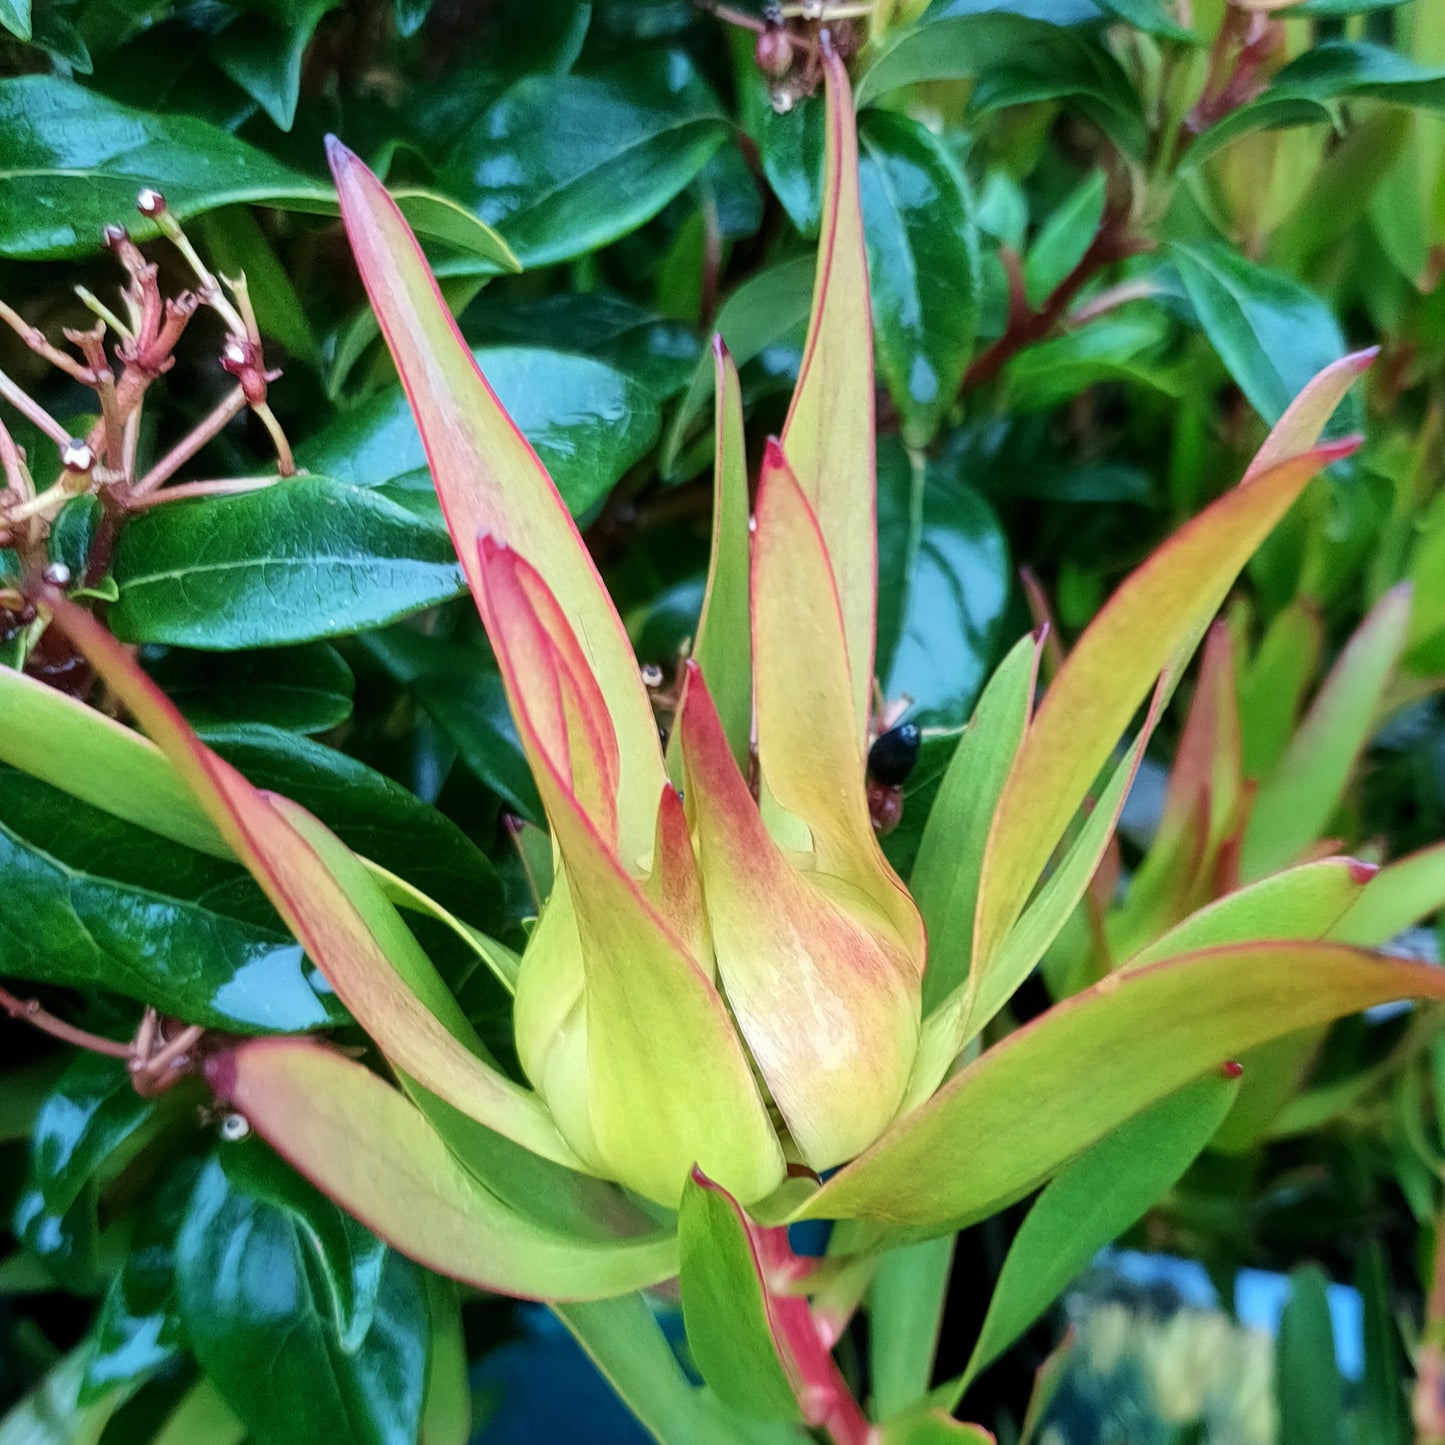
point(905, 1315)
point(1297, 798)
point(162, 932)
point(1272, 333)
point(1064, 238)
point(767, 309)
point(80, 1135)
point(373, 1152)
point(74, 160)
point(15, 17)
point(1121, 348)
point(1308, 1387)
point(730, 1332)
point(943, 569)
point(1013, 59)
point(1007, 1122)
point(945, 877)
point(73, 532)
point(137, 1329)
point(371, 814)
point(1092, 1201)
point(255, 1263)
point(264, 57)
point(1334, 70)
point(923, 266)
point(304, 559)
point(1153, 17)
point(303, 689)
point(589, 422)
point(566, 164)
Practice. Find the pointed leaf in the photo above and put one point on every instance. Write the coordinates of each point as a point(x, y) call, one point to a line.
point(489, 479)
point(723, 649)
point(1272, 688)
point(905, 1316)
point(333, 907)
point(725, 1305)
point(1092, 1201)
point(1308, 1387)
point(1396, 898)
point(1305, 902)
point(992, 985)
point(820, 985)
point(1297, 799)
point(1156, 617)
point(361, 1143)
point(811, 757)
point(945, 876)
point(828, 436)
point(659, 1043)
point(1008, 1121)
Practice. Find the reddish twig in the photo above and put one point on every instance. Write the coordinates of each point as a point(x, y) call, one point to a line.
point(29, 1010)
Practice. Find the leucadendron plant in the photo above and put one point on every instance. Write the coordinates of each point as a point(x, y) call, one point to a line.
point(731, 1014)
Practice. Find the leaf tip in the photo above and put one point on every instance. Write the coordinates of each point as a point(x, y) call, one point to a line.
point(1360, 362)
point(1360, 871)
point(341, 158)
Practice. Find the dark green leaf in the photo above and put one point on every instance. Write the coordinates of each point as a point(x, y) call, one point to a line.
point(71, 161)
point(310, 1328)
point(73, 532)
point(1303, 92)
point(1064, 238)
point(263, 55)
point(730, 1331)
point(923, 266)
point(1307, 1379)
point(304, 559)
point(1153, 17)
point(95, 903)
point(1385, 1407)
point(588, 421)
point(1271, 333)
point(81, 1133)
point(15, 17)
point(305, 689)
point(943, 585)
point(1013, 60)
point(565, 164)
point(138, 1329)
point(767, 309)
point(790, 144)
point(602, 325)
point(462, 690)
point(371, 814)
point(1112, 348)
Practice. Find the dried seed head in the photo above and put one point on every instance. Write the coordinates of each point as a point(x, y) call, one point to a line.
point(773, 54)
point(150, 202)
point(76, 456)
point(234, 1128)
point(57, 575)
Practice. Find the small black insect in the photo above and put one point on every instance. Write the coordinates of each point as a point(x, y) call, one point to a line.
point(893, 755)
point(890, 760)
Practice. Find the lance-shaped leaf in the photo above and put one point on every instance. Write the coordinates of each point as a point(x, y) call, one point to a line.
point(1295, 802)
point(1156, 616)
point(1201, 805)
point(1093, 1201)
point(1398, 896)
point(489, 479)
point(667, 1081)
point(731, 1332)
point(365, 1146)
point(811, 757)
point(945, 877)
point(1272, 688)
point(333, 907)
point(724, 647)
point(1305, 902)
point(819, 982)
point(1004, 1124)
point(828, 436)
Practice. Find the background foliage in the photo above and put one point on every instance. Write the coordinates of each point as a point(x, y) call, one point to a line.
point(1108, 240)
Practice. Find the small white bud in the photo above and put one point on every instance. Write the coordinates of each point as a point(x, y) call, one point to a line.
point(234, 1128)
